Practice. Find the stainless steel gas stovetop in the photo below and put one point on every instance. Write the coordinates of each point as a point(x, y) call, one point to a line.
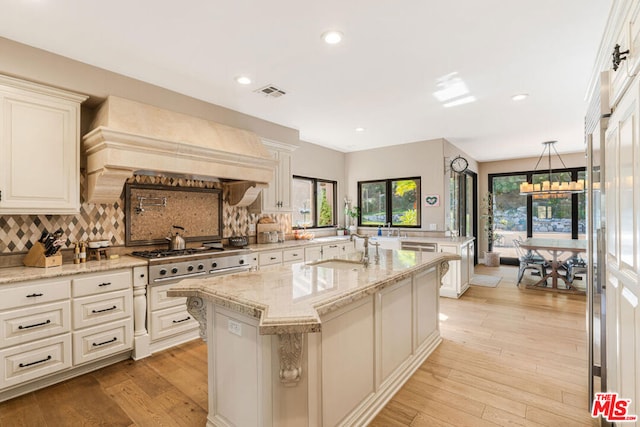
point(174, 265)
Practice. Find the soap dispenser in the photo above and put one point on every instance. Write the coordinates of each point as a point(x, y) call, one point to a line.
point(379, 231)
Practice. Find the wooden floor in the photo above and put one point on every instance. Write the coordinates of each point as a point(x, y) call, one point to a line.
point(510, 357)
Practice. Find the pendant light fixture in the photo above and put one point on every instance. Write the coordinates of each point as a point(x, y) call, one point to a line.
point(550, 189)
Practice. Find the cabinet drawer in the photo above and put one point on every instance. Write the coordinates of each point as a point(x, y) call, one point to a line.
point(293, 255)
point(101, 341)
point(270, 258)
point(330, 251)
point(159, 300)
point(31, 323)
point(96, 309)
point(31, 293)
point(30, 361)
point(171, 321)
point(98, 283)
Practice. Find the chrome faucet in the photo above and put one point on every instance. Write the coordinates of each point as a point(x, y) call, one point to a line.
point(388, 229)
point(365, 256)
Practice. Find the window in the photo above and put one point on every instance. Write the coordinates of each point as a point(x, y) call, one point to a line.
point(519, 217)
point(395, 201)
point(314, 202)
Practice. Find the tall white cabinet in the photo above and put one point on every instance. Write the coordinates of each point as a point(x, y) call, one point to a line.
point(620, 221)
point(39, 149)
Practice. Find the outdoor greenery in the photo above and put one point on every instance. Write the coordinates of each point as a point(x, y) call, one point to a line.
point(402, 203)
point(326, 212)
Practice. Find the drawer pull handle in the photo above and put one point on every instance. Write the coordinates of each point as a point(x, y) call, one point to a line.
point(34, 295)
point(333, 246)
point(273, 258)
point(35, 325)
point(24, 365)
point(104, 309)
point(106, 342)
point(294, 254)
point(182, 320)
point(105, 284)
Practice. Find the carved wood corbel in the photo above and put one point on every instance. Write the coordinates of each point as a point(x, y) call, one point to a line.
point(197, 308)
point(290, 353)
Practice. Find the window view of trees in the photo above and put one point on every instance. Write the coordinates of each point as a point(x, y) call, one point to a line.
point(551, 217)
point(313, 202)
point(395, 201)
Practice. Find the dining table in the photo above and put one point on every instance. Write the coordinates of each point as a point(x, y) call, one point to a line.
point(556, 252)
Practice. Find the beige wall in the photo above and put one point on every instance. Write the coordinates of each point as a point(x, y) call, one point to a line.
point(314, 161)
point(424, 159)
point(571, 160)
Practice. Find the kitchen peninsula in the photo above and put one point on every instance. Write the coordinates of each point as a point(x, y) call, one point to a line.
point(323, 343)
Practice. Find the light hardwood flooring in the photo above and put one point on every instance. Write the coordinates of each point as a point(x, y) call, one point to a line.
point(510, 357)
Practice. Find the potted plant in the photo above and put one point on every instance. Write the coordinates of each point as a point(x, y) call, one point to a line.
point(353, 214)
point(491, 258)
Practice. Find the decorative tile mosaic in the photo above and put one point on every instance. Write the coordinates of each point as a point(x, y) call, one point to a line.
point(107, 221)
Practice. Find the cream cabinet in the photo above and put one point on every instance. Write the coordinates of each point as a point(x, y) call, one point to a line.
point(102, 315)
point(39, 149)
point(35, 320)
point(51, 328)
point(277, 196)
point(622, 272)
point(457, 279)
point(169, 322)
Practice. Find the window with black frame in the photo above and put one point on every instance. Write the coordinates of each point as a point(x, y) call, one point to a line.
point(395, 201)
point(314, 202)
point(517, 217)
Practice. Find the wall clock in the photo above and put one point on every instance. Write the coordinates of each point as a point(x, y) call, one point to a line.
point(459, 164)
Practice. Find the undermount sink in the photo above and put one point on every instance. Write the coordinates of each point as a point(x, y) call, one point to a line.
point(337, 263)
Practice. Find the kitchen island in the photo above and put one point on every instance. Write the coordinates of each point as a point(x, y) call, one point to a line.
point(318, 344)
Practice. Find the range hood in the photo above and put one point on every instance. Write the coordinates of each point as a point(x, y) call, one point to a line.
point(127, 136)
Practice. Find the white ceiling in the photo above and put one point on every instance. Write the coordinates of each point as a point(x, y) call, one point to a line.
point(381, 77)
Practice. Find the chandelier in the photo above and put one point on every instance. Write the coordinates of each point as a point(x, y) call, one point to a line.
point(551, 189)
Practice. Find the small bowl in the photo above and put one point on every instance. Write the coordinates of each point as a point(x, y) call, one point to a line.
point(99, 244)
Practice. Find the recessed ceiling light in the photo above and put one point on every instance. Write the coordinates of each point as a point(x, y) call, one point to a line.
point(332, 37)
point(359, 129)
point(519, 96)
point(243, 80)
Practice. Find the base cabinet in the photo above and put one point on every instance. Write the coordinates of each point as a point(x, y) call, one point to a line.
point(363, 355)
point(169, 323)
point(52, 329)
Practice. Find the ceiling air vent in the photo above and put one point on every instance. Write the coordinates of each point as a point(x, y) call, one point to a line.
point(272, 91)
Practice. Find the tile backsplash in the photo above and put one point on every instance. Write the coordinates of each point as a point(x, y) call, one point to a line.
point(107, 221)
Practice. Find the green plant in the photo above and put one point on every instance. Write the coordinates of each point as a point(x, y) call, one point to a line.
point(410, 217)
point(352, 213)
point(326, 213)
point(488, 204)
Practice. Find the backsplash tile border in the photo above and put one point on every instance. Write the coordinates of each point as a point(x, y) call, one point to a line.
point(107, 221)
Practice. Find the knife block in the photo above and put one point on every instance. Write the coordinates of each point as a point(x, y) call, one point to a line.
point(35, 257)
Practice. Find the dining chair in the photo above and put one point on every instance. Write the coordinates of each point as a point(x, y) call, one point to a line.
point(575, 265)
point(529, 261)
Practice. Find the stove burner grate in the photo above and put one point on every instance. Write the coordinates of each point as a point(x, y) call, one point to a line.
point(164, 253)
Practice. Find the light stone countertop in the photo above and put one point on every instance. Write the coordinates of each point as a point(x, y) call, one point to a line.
point(21, 274)
point(292, 244)
point(292, 298)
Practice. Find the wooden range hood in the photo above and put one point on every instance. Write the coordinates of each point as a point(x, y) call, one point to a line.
point(127, 136)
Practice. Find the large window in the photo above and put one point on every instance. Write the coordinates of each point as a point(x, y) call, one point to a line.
point(519, 217)
point(395, 201)
point(314, 202)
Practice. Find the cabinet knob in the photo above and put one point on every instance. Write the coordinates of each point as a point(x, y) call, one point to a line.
point(618, 57)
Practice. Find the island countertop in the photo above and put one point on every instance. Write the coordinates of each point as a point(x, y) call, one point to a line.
point(291, 298)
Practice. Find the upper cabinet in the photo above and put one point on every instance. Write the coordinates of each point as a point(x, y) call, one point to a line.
point(625, 50)
point(39, 149)
point(277, 197)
